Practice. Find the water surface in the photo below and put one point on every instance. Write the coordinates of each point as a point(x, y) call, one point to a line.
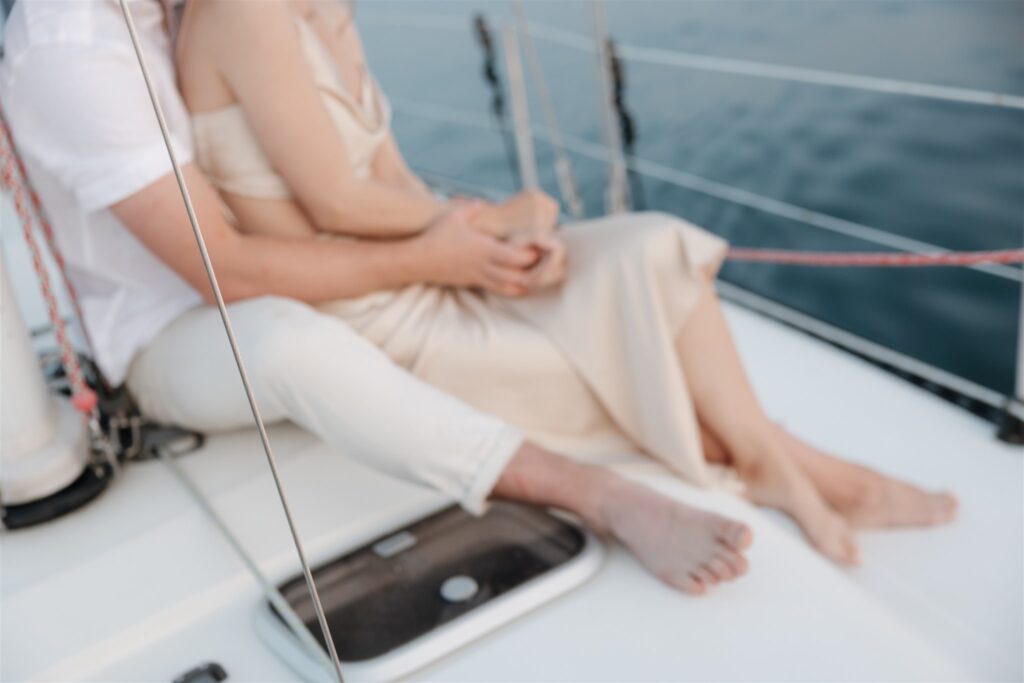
point(944, 173)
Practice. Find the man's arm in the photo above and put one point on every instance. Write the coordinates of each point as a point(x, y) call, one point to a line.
point(450, 252)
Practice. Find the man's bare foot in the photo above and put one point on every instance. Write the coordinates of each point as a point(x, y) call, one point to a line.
point(687, 548)
point(867, 498)
point(774, 480)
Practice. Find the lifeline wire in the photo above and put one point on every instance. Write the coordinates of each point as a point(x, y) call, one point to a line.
point(273, 595)
point(201, 243)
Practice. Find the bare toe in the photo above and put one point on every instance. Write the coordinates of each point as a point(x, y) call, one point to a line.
point(835, 541)
point(851, 550)
point(690, 585)
point(736, 535)
point(677, 543)
point(722, 569)
point(705, 575)
point(946, 507)
point(738, 563)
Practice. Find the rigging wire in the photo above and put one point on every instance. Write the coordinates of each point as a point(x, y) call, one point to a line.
point(229, 331)
point(563, 166)
point(498, 110)
point(273, 595)
point(740, 67)
point(712, 188)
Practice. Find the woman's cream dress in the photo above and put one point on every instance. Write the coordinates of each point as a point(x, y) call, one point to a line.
point(588, 368)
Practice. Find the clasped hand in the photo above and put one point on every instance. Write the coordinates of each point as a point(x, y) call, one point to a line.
point(509, 248)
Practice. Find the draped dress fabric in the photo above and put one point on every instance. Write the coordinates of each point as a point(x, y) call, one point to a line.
point(588, 368)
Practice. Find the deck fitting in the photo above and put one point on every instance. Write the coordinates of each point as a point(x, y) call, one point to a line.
point(1011, 426)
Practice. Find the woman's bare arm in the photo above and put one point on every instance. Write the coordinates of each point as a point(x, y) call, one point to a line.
point(389, 166)
point(450, 252)
point(259, 54)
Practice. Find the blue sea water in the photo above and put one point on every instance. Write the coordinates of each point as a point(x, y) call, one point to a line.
point(944, 173)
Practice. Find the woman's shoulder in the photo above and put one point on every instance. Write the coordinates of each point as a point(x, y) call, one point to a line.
point(235, 19)
point(218, 38)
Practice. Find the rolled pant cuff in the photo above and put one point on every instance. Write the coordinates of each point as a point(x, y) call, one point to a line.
point(495, 458)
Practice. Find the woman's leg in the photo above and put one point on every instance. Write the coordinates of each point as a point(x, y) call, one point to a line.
point(727, 407)
point(779, 470)
point(867, 498)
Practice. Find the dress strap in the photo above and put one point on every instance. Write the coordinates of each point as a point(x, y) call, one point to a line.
point(372, 114)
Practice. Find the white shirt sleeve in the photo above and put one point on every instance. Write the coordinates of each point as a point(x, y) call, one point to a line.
point(82, 112)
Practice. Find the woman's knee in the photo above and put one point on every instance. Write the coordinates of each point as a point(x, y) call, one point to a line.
point(650, 241)
point(663, 241)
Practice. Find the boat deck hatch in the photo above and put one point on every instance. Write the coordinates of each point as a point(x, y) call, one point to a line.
point(410, 596)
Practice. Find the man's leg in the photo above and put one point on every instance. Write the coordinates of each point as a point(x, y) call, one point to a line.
point(314, 370)
point(683, 546)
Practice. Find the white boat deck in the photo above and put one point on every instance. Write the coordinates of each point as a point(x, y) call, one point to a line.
point(140, 586)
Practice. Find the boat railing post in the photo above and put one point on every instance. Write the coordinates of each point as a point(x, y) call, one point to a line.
point(563, 167)
point(1019, 387)
point(520, 107)
point(1012, 428)
point(617, 200)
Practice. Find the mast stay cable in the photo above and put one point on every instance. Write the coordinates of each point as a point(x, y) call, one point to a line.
point(229, 331)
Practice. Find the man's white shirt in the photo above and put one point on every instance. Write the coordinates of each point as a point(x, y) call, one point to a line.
point(74, 96)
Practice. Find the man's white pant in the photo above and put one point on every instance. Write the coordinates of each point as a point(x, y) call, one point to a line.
point(314, 370)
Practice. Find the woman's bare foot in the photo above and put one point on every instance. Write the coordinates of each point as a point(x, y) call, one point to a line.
point(687, 548)
point(774, 480)
point(867, 498)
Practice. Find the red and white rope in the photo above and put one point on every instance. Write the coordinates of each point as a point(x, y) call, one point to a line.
point(47, 229)
point(12, 177)
point(884, 259)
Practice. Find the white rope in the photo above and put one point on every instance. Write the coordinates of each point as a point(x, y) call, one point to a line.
point(738, 67)
point(713, 188)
